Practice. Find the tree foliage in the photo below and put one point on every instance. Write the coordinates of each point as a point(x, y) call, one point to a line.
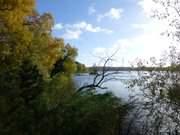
point(81, 68)
point(169, 12)
point(159, 104)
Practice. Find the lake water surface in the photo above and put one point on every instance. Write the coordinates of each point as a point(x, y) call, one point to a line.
point(117, 86)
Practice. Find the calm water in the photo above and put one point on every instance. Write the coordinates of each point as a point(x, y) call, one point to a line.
point(118, 87)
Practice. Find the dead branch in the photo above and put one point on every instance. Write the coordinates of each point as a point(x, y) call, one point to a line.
point(100, 77)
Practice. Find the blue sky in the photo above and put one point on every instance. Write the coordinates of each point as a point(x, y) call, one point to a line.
point(100, 27)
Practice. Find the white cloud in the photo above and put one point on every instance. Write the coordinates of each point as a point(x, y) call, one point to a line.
point(147, 6)
point(72, 34)
point(147, 44)
point(113, 13)
point(74, 31)
point(84, 26)
point(153, 26)
point(58, 26)
point(91, 10)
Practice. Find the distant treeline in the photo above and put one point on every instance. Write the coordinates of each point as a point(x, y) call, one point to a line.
point(100, 68)
point(80, 68)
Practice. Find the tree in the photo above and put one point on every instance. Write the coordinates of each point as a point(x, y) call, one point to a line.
point(168, 10)
point(159, 96)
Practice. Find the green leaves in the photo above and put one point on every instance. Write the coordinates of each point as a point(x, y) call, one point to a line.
point(89, 113)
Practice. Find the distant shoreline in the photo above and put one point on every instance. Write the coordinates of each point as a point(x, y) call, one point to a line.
point(99, 68)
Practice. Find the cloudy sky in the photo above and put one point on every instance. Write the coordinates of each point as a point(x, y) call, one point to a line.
point(100, 27)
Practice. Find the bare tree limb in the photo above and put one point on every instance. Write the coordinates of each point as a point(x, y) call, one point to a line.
point(100, 77)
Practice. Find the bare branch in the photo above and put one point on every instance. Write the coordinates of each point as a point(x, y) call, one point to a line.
point(101, 76)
